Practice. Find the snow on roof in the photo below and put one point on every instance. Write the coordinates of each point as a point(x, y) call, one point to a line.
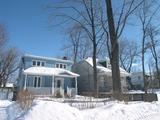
point(49, 71)
point(100, 68)
point(122, 71)
point(90, 61)
point(9, 85)
point(48, 58)
point(104, 69)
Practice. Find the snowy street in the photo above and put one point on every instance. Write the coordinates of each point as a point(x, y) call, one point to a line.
point(3, 109)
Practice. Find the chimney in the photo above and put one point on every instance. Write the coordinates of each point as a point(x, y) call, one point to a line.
point(64, 58)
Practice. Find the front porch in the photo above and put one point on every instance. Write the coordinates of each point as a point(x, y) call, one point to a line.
point(56, 82)
point(47, 91)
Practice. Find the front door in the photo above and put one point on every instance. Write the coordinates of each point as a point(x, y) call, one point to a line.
point(59, 82)
point(59, 85)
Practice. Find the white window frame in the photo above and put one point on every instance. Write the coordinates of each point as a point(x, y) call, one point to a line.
point(34, 61)
point(59, 64)
point(36, 86)
point(40, 63)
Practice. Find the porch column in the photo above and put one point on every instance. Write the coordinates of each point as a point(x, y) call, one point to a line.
point(25, 82)
point(53, 85)
point(76, 84)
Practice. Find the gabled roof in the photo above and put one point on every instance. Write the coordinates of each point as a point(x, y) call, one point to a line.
point(103, 69)
point(49, 71)
point(100, 68)
point(47, 58)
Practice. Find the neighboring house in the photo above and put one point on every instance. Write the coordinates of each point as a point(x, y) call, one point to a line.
point(137, 80)
point(47, 76)
point(86, 82)
point(7, 91)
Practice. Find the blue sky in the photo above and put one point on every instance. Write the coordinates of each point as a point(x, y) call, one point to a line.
point(26, 23)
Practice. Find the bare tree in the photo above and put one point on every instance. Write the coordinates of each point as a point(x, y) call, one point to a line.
point(153, 32)
point(74, 34)
point(114, 51)
point(145, 15)
point(8, 59)
point(116, 28)
point(127, 54)
point(86, 14)
point(8, 65)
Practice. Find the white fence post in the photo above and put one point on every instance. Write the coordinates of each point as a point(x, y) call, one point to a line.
point(53, 93)
point(25, 82)
point(76, 84)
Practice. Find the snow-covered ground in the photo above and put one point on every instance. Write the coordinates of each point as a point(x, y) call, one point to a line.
point(60, 109)
point(50, 110)
point(3, 109)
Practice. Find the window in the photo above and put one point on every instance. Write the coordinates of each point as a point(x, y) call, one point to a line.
point(34, 63)
point(37, 81)
point(60, 65)
point(57, 65)
point(64, 66)
point(58, 83)
point(42, 63)
point(38, 63)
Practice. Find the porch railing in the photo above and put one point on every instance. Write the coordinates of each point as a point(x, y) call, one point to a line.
point(62, 91)
point(48, 91)
point(71, 92)
point(40, 90)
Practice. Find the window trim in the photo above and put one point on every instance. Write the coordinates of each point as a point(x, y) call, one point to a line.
point(37, 81)
point(35, 62)
point(59, 64)
point(40, 63)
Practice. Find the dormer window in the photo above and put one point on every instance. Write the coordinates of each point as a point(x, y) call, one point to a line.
point(64, 66)
point(34, 63)
point(61, 65)
point(38, 63)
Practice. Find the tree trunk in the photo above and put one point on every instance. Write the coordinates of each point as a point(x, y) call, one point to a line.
point(95, 72)
point(143, 66)
point(114, 52)
point(96, 86)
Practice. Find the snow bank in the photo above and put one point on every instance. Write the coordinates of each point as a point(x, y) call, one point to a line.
point(121, 111)
point(4, 103)
point(49, 110)
point(3, 109)
point(113, 110)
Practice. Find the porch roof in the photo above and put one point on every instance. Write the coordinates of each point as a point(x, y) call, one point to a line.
point(49, 71)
